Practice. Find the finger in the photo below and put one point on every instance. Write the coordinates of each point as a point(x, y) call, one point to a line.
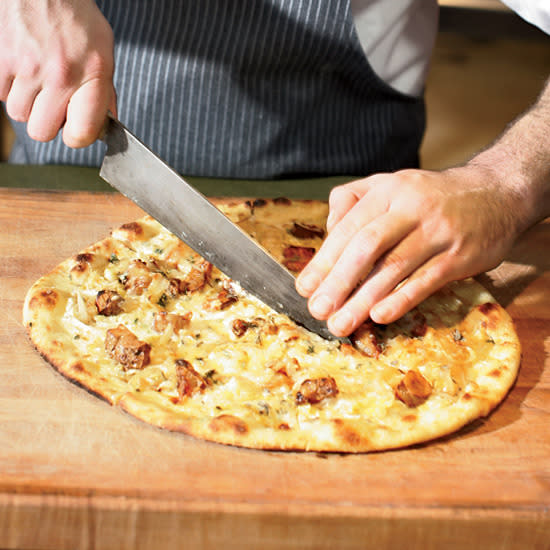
point(47, 116)
point(389, 272)
point(321, 264)
point(6, 81)
point(342, 199)
point(21, 99)
point(356, 262)
point(423, 283)
point(86, 113)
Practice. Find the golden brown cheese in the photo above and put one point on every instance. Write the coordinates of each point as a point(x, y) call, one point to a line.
point(260, 337)
point(242, 365)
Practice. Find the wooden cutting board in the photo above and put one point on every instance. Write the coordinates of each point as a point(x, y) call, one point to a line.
point(76, 473)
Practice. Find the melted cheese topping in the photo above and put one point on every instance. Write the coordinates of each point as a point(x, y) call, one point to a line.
point(251, 369)
point(256, 375)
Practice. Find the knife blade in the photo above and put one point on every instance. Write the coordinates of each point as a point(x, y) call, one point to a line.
point(133, 169)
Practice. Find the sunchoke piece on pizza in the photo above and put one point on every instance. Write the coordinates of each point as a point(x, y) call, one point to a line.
point(144, 322)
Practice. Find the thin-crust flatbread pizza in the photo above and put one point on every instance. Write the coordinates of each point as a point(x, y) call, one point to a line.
point(142, 321)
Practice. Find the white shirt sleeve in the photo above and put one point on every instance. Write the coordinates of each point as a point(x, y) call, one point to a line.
point(397, 37)
point(536, 12)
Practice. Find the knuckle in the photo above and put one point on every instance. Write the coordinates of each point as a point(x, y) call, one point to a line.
point(433, 278)
point(456, 265)
point(61, 70)
point(29, 67)
point(407, 295)
point(456, 254)
point(341, 281)
point(343, 231)
point(368, 243)
point(360, 253)
point(61, 75)
point(438, 273)
point(364, 298)
point(337, 195)
point(396, 263)
point(407, 300)
point(98, 65)
point(68, 74)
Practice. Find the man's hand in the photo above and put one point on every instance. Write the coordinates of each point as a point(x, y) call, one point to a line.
point(56, 68)
point(394, 239)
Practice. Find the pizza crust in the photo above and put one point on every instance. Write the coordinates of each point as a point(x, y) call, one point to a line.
point(245, 365)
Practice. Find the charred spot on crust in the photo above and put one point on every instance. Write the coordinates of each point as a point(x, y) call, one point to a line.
point(84, 257)
point(487, 308)
point(78, 367)
point(134, 228)
point(45, 298)
point(256, 203)
point(490, 310)
point(49, 297)
point(82, 262)
point(225, 422)
point(282, 200)
point(345, 432)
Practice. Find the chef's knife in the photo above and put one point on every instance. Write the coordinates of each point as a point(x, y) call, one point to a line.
point(133, 169)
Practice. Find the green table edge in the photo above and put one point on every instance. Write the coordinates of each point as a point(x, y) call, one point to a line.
point(77, 178)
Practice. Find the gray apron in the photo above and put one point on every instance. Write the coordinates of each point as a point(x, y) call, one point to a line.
point(249, 89)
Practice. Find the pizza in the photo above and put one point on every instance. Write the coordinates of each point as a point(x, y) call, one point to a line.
point(142, 321)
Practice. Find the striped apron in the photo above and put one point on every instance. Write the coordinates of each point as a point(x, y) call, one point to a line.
point(249, 89)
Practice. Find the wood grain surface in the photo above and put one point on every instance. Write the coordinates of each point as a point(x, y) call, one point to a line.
point(77, 473)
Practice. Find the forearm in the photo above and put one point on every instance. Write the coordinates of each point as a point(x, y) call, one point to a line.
point(520, 159)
